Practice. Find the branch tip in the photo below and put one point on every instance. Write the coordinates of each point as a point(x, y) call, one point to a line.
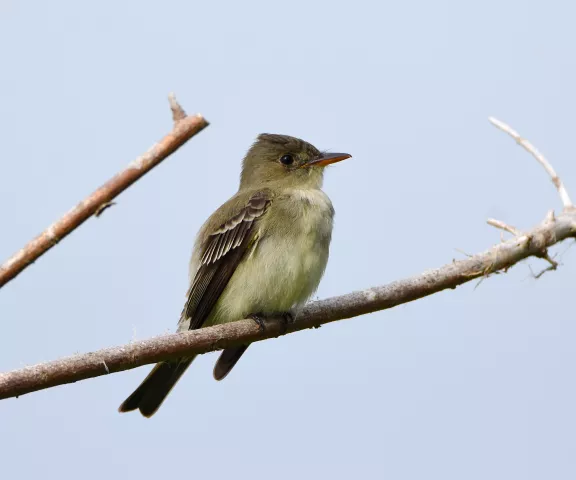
point(178, 112)
point(538, 156)
point(550, 217)
point(504, 226)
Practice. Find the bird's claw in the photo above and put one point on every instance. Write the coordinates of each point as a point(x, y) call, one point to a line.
point(287, 319)
point(259, 321)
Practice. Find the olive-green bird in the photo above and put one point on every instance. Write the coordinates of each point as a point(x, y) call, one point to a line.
point(262, 253)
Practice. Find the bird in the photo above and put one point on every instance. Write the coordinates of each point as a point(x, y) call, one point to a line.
point(262, 253)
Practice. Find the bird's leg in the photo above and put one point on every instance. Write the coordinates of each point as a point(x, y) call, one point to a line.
point(259, 319)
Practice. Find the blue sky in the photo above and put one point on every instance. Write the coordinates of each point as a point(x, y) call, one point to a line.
point(472, 383)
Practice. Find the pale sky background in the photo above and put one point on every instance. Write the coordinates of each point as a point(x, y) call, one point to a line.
point(467, 384)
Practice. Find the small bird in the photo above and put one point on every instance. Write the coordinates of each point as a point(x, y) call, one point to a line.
point(260, 254)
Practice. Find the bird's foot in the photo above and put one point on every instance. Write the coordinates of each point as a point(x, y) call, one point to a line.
point(259, 319)
point(287, 319)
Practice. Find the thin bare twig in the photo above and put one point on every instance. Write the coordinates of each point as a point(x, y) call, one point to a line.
point(504, 226)
point(536, 276)
point(538, 156)
point(178, 113)
point(553, 263)
point(550, 216)
point(185, 127)
point(111, 360)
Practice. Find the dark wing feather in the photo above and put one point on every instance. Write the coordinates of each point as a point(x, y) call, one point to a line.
point(222, 254)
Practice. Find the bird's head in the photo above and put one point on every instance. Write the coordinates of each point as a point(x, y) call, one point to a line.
point(285, 160)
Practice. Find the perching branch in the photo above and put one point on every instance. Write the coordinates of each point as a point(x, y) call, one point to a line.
point(185, 127)
point(533, 243)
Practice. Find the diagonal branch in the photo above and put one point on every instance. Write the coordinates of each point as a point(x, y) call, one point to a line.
point(185, 127)
point(136, 354)
point(533, 243)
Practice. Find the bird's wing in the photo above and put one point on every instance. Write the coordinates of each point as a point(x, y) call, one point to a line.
point(221, 255)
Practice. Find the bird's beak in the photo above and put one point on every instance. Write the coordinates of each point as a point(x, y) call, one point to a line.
point(327, 159)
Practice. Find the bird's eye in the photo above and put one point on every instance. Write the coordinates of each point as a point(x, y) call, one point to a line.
point(287, 159)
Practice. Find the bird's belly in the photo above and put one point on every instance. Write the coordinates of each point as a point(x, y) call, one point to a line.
point(279, 275)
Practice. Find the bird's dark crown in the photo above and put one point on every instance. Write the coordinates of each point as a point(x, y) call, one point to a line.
point(288, 143)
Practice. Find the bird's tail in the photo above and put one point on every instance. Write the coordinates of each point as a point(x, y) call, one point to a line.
point(156, 386)
point(226, 361)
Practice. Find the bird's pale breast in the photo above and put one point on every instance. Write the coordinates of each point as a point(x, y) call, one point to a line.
point(283, 269)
